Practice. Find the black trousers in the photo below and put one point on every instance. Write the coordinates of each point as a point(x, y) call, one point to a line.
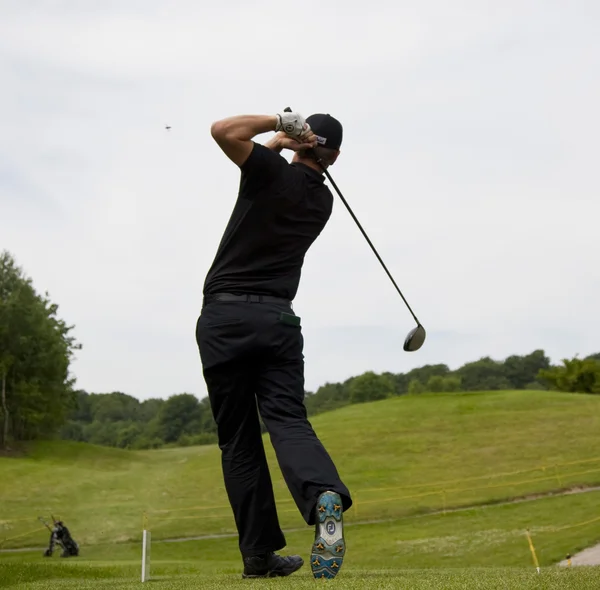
point(253, 362)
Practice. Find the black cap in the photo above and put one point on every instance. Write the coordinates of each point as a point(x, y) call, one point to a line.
point(329, 131)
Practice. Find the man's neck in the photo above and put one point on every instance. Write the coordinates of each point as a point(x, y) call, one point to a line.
point(310, 162)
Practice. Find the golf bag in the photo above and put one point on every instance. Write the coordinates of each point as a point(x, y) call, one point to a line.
point(60, 535)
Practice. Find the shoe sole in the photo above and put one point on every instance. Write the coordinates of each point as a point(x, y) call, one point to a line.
point(329, 548)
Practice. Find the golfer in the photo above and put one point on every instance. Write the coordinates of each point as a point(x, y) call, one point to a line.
point(251, 344)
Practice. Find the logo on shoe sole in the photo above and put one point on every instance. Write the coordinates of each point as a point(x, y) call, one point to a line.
point(330, 527)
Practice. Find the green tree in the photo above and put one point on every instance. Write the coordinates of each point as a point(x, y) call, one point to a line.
point(328, 397)
point(35, 354)
point(522, 370)
point(485, 374)
point(421, 374)
point(83, 408)
point(575, 375)
point(150, 409)
point(370, 387)
point(128, 434)
point(102, 433)
point(73, 430)
point(181, 414)
point(115, 407)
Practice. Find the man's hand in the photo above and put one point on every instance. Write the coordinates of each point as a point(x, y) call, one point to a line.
point(309, 140)
point(293, 124)
point(282, 141)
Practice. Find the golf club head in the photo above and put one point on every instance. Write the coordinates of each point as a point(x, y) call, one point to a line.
point(415, 339)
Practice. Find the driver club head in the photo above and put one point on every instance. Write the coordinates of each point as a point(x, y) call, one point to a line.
point(415, 339)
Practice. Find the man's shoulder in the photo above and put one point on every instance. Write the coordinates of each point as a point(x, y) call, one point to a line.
point(263, 159)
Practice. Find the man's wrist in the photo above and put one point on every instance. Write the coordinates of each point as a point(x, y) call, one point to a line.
point(274, 144)
point(265, 123)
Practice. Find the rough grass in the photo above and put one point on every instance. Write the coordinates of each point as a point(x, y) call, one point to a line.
point(400, 457)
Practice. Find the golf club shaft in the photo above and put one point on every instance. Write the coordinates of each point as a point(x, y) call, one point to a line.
point(364, 233)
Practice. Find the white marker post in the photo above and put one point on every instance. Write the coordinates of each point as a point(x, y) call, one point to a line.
point(145, 555)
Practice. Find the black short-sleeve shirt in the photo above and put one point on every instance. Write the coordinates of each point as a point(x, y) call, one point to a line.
point(280, 211)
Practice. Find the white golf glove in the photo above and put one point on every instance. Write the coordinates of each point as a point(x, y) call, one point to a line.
point(292, 124)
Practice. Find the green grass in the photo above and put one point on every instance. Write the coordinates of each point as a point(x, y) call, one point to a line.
point(457, 579)
point(400, 457)
point(478, 548)
point(403, 458)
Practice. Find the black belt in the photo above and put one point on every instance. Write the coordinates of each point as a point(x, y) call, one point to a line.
point(248, 298)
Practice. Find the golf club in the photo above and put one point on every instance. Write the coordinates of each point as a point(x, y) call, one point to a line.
point(416, 337)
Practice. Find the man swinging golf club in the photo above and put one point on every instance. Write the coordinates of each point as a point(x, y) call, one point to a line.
point(251, 343)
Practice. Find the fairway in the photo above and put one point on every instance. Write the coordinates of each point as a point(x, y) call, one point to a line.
point(445, 488)
point(479, 548)
point(430, 452)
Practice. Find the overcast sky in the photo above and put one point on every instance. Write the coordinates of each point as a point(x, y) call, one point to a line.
point(470, 156)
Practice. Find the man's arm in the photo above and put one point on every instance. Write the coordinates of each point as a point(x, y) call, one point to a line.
point(234, 134)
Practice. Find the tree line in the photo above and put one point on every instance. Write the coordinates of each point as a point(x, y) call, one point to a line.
point(532, 371)
point(38, 399)
point(119, 420)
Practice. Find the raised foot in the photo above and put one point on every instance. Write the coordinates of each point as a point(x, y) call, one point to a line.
point(329, 547)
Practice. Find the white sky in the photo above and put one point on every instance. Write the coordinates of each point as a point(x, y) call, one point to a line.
point(470, 156)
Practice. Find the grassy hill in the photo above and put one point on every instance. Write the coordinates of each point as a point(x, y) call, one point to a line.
point(401, 457)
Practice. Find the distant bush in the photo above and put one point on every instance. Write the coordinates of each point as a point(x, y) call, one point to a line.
point(575, 375)
point(192, 440)
point(438, 384)
point(415, 386)
point(370, 387)
point(144, 442)
point(535, 386)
